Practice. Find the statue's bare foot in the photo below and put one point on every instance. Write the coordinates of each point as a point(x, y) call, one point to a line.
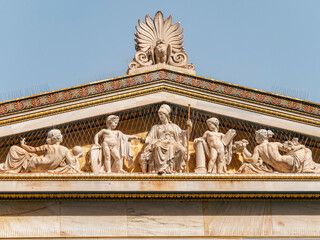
point(122, 171)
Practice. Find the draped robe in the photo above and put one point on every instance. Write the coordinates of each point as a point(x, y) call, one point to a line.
point(123, 146)
point(20, 160)
point(302, 162)
point(166, 149)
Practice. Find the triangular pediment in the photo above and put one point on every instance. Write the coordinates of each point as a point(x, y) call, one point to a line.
point(80, 112)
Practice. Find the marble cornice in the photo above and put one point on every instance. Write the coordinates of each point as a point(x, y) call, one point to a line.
point(152, 89)
point(155, 187)
point(86, 92)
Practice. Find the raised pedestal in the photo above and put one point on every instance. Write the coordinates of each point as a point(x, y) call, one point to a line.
point(200, 158)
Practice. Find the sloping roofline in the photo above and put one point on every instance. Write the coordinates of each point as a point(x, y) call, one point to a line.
point(229, 90)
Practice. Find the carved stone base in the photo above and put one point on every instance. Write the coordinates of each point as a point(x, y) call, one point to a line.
point(160, 65)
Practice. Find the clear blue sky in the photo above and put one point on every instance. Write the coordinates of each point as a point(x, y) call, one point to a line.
point(272, 45)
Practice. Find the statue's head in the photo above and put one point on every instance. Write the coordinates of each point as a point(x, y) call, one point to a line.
point(213, 123)
point(161, 46)
point(295, 141)
point(160, 42)
point(263, 134)
point(112, 121)
point(164, 112)
point(54, 136)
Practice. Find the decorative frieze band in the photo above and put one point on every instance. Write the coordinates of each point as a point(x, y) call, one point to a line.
point(121, 83)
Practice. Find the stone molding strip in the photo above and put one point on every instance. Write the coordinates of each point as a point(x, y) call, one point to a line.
point(118, 97)
point(160, 196)
point(155, 187)
point(102, 87)
point(155, 177)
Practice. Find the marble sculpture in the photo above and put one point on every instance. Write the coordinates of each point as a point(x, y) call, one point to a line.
point(165, 151)
point(116, 146)
point(267, 157)
point(217, 146)
point(159, 44)
point(56, 158)
point(166, 146)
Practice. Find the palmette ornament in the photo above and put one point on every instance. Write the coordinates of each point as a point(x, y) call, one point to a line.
point(159, 44)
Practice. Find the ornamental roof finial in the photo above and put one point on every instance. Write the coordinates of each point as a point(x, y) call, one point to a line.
point(159, 44)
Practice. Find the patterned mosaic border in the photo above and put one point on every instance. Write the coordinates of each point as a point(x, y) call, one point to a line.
point(109, 85)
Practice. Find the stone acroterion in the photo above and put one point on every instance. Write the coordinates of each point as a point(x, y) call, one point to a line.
point(159, 44)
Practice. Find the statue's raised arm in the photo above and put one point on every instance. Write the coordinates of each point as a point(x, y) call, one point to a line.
point(56, 158)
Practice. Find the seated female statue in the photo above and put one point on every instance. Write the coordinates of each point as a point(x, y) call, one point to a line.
point(166, 146)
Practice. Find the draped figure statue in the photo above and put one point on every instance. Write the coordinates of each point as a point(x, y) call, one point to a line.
point(166, 146)
point(56, 158)
point(267, 157)
point(216, 146)
point(116, 146)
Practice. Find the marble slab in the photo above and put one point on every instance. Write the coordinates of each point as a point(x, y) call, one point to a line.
point(296, 218)
point(93, 218)
point(156, 219)
point(161, 218)
point(237, 218)
point(29, 219)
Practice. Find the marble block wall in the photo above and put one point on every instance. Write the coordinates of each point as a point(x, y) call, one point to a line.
point(85, 219)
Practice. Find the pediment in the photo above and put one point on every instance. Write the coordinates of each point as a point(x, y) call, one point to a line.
point(80, 112)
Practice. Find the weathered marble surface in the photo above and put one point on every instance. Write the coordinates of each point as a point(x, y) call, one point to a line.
point(93, 219)
point(227, 219)
point(29, 219)
point(160, 218)
point(237, 218)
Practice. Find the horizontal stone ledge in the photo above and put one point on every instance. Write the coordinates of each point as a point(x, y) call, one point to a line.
point(155, 184)
point(156, 177)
